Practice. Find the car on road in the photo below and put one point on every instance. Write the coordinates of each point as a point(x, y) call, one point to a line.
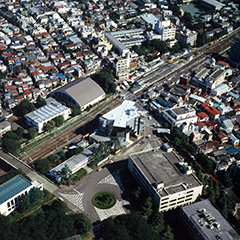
point(99, 169)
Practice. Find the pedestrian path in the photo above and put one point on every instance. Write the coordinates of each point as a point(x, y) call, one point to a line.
point(75, 199)
point(117, 209)
point(113, 179)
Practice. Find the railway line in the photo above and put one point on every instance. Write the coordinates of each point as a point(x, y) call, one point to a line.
point(166, 74)
point(61, 138)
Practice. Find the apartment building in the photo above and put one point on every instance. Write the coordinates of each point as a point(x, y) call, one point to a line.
point(182, 117)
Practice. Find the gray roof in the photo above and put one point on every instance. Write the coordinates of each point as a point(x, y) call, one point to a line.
point(82, 90)
point(161, 167)
point(46, 112)
point(193, 213)
point(12, 187)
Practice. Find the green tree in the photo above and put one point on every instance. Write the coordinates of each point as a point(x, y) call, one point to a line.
point(49, 126)
point(24, 203)
point(40, 102)
point(10, 135)
point(106, 80)
point(32, 132)
point(42, 166)
point(216, 189)
point(35, 195)
point(10, 145)
point(137, 193)
point(81, 223)
point(147, 207)
point(66, 175)
point(157, 221)
point(176, 48)
point(199, 175)
point(76, 111)
point(19, 131)
point(167, 234)
point(58, 120)
point(25, 107)
point(187, 17)
point(177, 141)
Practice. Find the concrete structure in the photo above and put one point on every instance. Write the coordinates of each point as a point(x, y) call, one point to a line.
point(234, 54)
point(212, 4)
point(220, 89)
point(182, 117)
point(74, 163)
point(5, 126)
point(39, 117)
point(121, 67)
point(11, 190)
point(215, 79)
point(204, 221)
point(80, 93)
point(166, 29)
point(187, 36)
point(120, 121)
point(168, 181)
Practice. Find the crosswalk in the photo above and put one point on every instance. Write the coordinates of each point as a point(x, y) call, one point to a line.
point(75, 199)
point(113, 179)
point(116, 210)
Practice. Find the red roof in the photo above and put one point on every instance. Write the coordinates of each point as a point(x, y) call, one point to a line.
point(202, 115)
point(223, 63)
point(212, 110)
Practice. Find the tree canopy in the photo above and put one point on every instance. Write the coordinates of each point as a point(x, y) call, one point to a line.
point(25, 107)
point(51, 223)
point(40, 102)
point(106, 80)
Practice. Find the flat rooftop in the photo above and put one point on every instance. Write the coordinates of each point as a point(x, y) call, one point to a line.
point(46, 112)
point(225, 230)
point(122, 114)
point(161, 167)
point(12, 187)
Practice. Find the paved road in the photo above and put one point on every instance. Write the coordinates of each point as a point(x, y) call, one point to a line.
point(14, 162)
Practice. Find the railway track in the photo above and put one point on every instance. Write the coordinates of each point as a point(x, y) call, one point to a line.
point(69, 134)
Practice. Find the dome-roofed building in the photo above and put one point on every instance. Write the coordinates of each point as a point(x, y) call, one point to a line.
point(80, 93)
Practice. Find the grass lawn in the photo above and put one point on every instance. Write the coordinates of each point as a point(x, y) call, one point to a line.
point(104, 200)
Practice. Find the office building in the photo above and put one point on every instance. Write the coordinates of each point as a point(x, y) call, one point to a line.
point(168, 181)
point(234, 54)
point(205, 222)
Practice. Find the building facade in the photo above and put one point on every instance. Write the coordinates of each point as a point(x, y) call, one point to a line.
point(234, 54)
point(182, 117)
point(41, 116)
point(205, 222)
point(169, 182)
point(187, 36)
point(10, 192)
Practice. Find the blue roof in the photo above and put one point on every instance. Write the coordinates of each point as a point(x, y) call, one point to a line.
point(231, 150)
point(12, 187)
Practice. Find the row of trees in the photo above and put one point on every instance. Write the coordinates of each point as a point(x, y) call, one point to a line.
point(11, 139)
point(26, 106)
point(56, 122)
point(145, 223)
point(50, 223)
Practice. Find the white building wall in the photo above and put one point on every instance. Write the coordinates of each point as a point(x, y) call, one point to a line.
point(11, 204)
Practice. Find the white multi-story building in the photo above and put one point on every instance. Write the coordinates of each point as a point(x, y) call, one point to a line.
point(121, 67)
point(11, 190)
point(187, 36)
point(215, 79)
point(166, 29)
point(182, 117)
point(169, 182)
point(39, 117)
